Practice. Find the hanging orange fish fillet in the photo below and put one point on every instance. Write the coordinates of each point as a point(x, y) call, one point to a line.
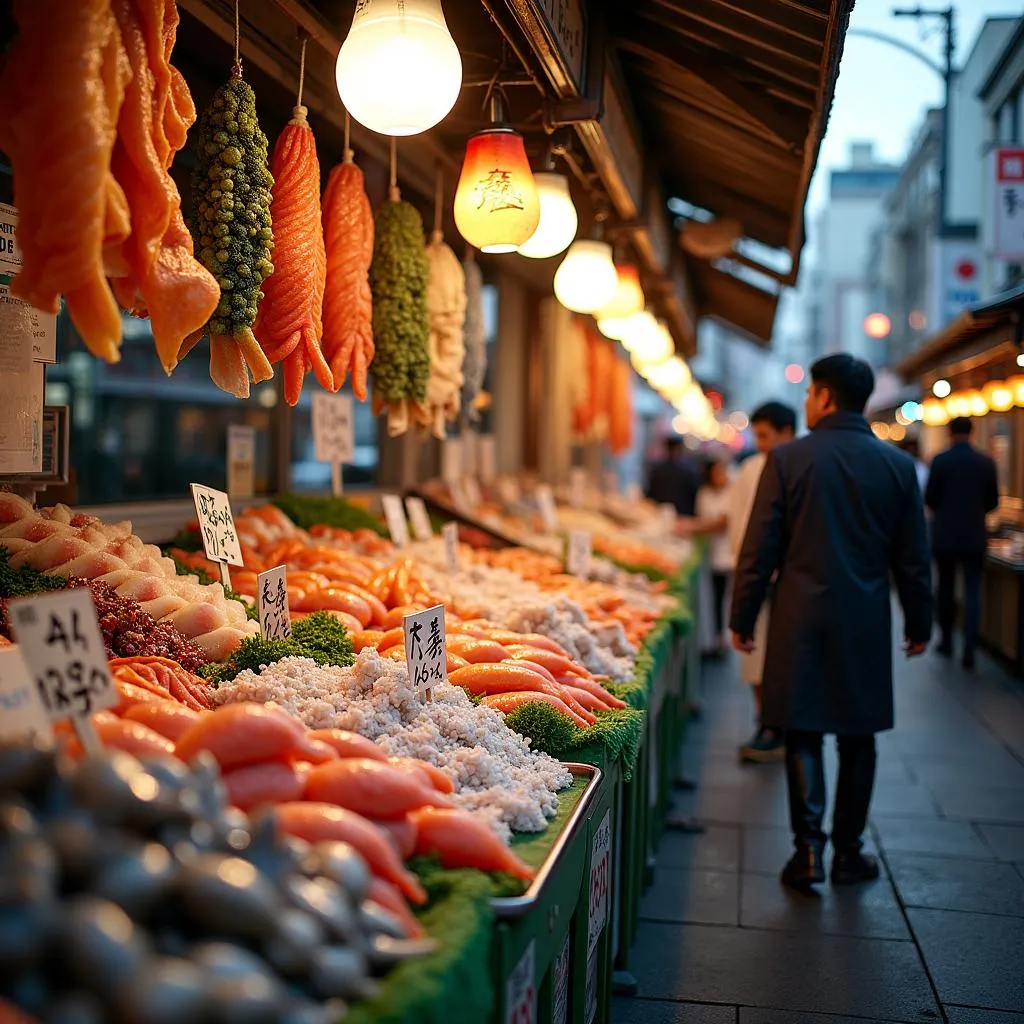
point(348, 302)
point(61, 90)
point(290, 321)
point(162, 279)
point(620, 413)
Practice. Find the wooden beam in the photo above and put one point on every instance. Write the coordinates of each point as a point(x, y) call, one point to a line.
point(798, 22)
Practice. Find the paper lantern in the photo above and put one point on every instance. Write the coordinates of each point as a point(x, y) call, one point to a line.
point(628, 298)
point(998, 395)
point(933, 413)
point(1016, 385)
point(636, 328)
point(586, 279)
point(558, 220)
point(654, 346)
point(958, 405)
point(496, 204)
point(976, 404)
point(671, 378)
point(399, 71)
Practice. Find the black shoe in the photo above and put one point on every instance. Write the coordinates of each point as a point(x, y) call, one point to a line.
point(853, 867)
point(804, 870)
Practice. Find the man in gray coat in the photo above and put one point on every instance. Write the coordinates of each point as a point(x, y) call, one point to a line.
point(839, 516)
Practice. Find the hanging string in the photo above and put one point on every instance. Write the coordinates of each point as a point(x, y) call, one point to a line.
point(302, 68)
point(393, 189)
point(237, 68)
point(438, 198)
point(348, 154)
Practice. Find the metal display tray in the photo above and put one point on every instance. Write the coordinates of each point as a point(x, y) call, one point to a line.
point(516, 906)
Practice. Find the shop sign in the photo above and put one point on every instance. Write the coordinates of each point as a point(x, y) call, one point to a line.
point(956, 279)
point(451, 548)
point(10, 251)
point(272, 603)
point(60, 640)
point(565, 24)
point(577, 562)
point(1007, 209)
point(417, 509)
point(560, 1009)
point(600, 881)
point(394, 516)
point(425, 651)
point(521, 990)
point(21, 708)
point(241, 461)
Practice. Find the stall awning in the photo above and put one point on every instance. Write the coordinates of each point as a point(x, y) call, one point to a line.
point(976, 324)
point(735, 97)
point(743, 307)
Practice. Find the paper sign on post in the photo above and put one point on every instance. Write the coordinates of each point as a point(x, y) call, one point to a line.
point(451, 548)
point(417, 509)
point(217, 527)
point(241, 461)
point(577, 562)
point(546, 505)
point(577, 488)
point(425, 650)
point(272, 603)
point(486, 458)
point(21, 707)
point(473, 496)
point(60, 640)
point(394, 516)
point(333, 434)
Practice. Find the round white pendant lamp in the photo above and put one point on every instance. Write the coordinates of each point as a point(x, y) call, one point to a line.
point(399, 71)
point(558, 219)
point(586, 279)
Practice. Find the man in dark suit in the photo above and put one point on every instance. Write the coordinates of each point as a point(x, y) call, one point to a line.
point(838, 514)
point(963, 488)
point(674, 479)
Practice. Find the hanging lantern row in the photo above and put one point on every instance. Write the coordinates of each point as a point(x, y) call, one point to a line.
point(995, 396)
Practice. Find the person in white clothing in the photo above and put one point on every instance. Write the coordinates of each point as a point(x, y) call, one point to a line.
point(714, 505)
point(773, 424)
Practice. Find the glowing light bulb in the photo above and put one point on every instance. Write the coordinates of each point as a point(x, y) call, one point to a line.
point(558, 220)
point(586, 279)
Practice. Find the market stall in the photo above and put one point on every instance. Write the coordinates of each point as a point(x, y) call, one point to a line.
point(975, 368)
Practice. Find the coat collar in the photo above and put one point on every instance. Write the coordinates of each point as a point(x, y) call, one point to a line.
point(843, 421)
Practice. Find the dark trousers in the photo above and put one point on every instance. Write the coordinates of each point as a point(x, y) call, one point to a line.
point(805, 776)
point(719, 586)
point(971, 567)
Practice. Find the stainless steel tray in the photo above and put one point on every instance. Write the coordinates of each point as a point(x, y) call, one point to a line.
point(517, 906)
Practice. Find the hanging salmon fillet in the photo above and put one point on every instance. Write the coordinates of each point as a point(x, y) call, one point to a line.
point(290, 320)
point(348, 302)
point(620, 413)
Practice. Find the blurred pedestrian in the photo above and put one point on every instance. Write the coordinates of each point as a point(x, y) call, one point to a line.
point(714, 505)
point(837, 515)
point(674, 479)
point(773, 424)
point(912, 447)
point(963, 488)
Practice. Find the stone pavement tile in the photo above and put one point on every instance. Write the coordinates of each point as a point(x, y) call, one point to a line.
point(941, 883)
point(994, 803)
point(752, 1015)
point(869, 911)
point(651, 1011)
point(902, 800)
point(766, 850)
point(717, 848)
point(973, 1015)
point(944, 838)
point(692, 896)
point(975, 959)
point(1007, 841)
point(810, 972)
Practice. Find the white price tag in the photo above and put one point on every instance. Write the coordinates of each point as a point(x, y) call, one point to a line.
point(425, 650)
point(560, 972)
point(577, 488)
point(272, 603)
point(333, 438)
point(217, 526)
point(486, 458)
point(421, 528)
point(394, 516)
point(10, 251)
point(521, 990)
point(21, 707)
point(473, 495)
point(577, 562)
point(451, 548)
point(546, 504)
point(62, 646)
point(600, 881)
point(241, 461)
point(451, 460)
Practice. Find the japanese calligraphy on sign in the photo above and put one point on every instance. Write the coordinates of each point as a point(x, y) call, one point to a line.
point(333, 437)
point(60, 640)
point(217, 525)
point(394, 516)
point(21, 708)
point(425, 650)
point(272, 603)
point(1007, 210)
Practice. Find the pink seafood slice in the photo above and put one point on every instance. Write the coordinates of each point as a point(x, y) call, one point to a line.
point(35, 528)
point(160, 607)
point(219, 644)
point(143, 588)
point(13, 507)
point(52, 552)
point(197, 619)
point(89, 565)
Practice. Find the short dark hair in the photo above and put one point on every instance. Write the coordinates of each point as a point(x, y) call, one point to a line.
point(849, 379)
point(777, 415)
point(961, 426)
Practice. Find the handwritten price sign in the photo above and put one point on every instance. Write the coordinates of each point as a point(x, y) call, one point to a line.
point(425, 651)
point(521, 990)
point(272, 603)
point(332, 428)
point(217, 525)
point(21, 709)
point(600, 881)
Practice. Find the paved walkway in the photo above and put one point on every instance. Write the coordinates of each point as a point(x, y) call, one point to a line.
point(939, 938)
